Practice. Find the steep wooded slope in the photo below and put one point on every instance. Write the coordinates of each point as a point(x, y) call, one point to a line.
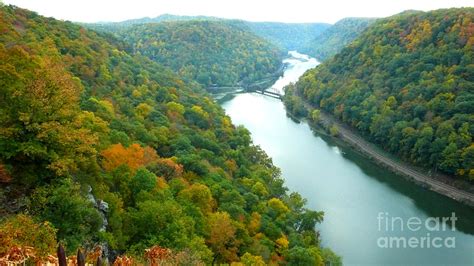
point(332, 40)
point(78, 111)
point(407, 83)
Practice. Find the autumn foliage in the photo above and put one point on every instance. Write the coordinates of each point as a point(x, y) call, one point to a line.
point(134, 156)
point(22, 237)
point(159, 256)
point(222, 236)
point(405, 84)
point(5, 177)
point(90, 130)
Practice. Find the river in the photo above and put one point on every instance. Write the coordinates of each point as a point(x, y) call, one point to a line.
point(369, 211)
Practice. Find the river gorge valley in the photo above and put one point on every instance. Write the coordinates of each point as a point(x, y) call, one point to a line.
point(350, 189)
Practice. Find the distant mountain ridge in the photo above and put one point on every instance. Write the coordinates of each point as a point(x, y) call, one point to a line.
point(211, 52)
point(160, 18)
point(332, 40)
point(287, 36)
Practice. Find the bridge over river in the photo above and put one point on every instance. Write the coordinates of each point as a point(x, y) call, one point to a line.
point(272, 92)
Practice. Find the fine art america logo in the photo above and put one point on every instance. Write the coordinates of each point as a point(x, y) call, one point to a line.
point(393, 225)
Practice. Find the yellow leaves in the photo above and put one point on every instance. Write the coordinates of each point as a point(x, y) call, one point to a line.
point(62, 166)
point(53, 91)
point(108, 106)
point(175, 110)
point(282, 242)
point(42, 112)
point(418, 34)
point(334, 130)
point(72, 137)
point(141, 91)
point(90, 121)
point(222, 236)
point(378, 51)
point(136, 94)
point(199, 111)
point(175, 107)
point(161, 183)
point(278, 206)
point(316, 115)
point(250, 260)
point(227, 125)
point(391, 102)
point(467, 155)
point(231, 166)
point(259, 189)
point(199, 195)
point(143, 110)
point(134, 156)
point(102, 108)
point(254, 223)
point(259, 236)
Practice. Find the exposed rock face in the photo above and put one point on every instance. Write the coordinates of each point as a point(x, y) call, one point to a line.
point(103, 208)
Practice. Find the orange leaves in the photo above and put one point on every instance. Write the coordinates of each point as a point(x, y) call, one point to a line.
point(157, 253)
point(254, 223)
point(134, 156)
point(95, 254)
point(4, 175)
point(17, 255)
point(123, 261)
point(167, 168)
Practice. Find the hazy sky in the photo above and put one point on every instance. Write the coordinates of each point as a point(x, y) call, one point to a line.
point(254, 10)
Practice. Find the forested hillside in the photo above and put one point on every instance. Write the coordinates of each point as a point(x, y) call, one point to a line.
point(287, 36)
point(332, 40)
point(407, 83)
point(210, 52)
point(114, 26)
point(84, 123)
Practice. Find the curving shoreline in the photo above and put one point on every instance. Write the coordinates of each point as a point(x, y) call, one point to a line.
point(437, 183)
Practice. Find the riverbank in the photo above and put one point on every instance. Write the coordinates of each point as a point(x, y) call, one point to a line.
point(347, 186)
point(436, 182)
point(342, 182)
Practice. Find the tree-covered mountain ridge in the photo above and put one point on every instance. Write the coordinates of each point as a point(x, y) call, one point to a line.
point(286, 36)
point(214, 53)
point(407, 83)
point(335, 38)
point(85, 121)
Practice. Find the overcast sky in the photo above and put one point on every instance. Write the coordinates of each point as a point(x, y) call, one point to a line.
point(255, 10)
